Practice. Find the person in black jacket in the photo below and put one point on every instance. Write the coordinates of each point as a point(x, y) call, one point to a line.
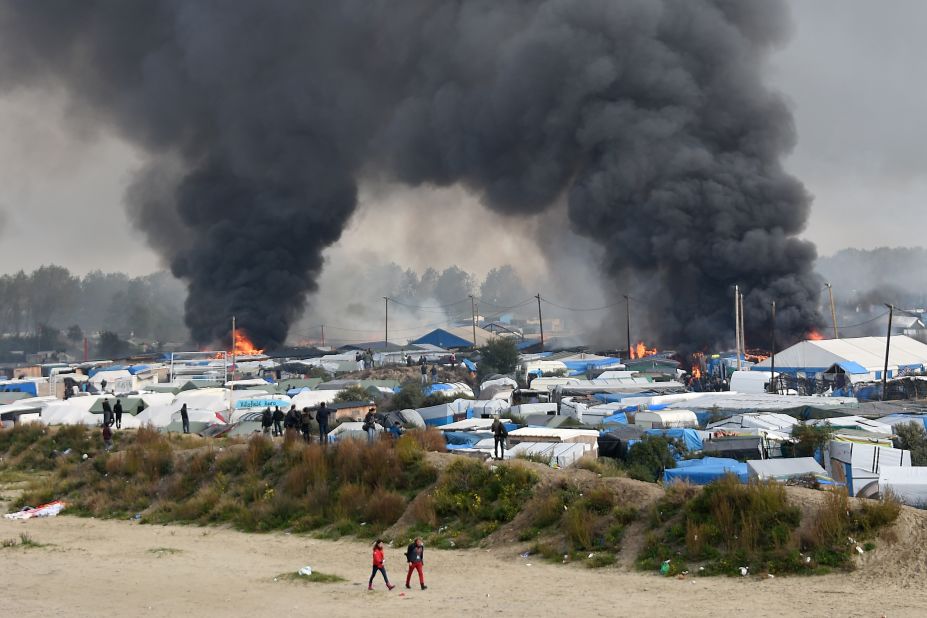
point(117, 411)
point(278, 421)
point(415, 555)
point(107, 413)
point(185, 418)
point(291, 420)
point(322, 417)
point(305, 424)
point(499, 434)
point(267, 421)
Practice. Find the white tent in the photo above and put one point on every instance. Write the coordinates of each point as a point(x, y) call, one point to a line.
point(859, 356)
point(561, 454)
point(783, 469)
point(908, 484)
point(666, 419)
point(310, 399)
point(858, 465)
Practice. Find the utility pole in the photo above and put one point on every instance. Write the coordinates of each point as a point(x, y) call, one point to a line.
point(323, 335)
point(772, 378)
point(888, 339)
point(386, 325)
point(737, 324)
point(743, 336)
point(234, 337)
point(540, 320)
point(627, 304)
point(473, 318)
point(833, 309)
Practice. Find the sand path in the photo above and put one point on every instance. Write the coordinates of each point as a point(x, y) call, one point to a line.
point(91, 567)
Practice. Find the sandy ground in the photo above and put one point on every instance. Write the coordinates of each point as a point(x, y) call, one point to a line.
point(90, 567)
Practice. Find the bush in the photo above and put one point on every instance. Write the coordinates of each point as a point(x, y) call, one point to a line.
point(810, 438)
point(352, 393)
point(648, 458)
point(912, 437)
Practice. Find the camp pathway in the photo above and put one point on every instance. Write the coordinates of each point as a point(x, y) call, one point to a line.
point(90, 567)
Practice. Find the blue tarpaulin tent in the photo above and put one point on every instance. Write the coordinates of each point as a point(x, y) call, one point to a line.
point(705, 470)
point(689, 437)
point(469, 364)
point(618, 417)
point(444, 339)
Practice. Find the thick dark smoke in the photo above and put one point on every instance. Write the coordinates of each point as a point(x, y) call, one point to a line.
point(649, 118)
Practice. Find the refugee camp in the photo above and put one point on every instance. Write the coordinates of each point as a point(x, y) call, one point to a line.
point(474, 308)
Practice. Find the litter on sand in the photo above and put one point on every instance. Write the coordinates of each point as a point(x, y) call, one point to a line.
point(50, 509)
point(306, 570)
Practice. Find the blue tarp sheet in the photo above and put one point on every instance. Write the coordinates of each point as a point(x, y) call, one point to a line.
point(689, 437)
point(461, 438)
point(136, 369)
point(581, 366)
point(469, 364)
point(94, 371)
point(852, 367)
point(618, 417)
point(444, 339)
point(298, 390)
point(22, 387)
point(705, 470)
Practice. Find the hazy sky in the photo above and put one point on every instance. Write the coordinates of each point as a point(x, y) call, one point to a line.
point(851, 74)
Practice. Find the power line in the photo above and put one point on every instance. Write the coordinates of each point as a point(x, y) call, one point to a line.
point(881, 315)
point(602, 308)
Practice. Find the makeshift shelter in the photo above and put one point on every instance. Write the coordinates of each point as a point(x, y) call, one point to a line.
point(548, 434)
point(614, 442)
point(453, 337)
point(666, 419)
point(445, 413)
point(858, 465)
point(350, 431)
point(736, 447)
point(560, 455)
point(784, 469)
point(907, 484)
point(813, 358)
point(705, 470)
point(692, 439)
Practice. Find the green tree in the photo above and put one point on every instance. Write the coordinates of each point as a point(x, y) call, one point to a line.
point(808, 439)
point(352, 393)
point(410, 396)
point(75, 334)
point(648, 458)
point(912, 437)
point(111, 345)
point(502, 288)
point(498, 356)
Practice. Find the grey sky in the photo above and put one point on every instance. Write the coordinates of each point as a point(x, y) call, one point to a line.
point(850, 72)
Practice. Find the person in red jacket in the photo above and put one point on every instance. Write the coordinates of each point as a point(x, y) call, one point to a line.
point(415, 556)
point(378, 559)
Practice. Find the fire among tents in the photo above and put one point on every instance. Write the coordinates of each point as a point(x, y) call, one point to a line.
point(640, 350)
point(243, 346)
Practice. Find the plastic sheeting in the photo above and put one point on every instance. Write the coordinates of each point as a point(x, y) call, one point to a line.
point(907, 484)
point(691, 438)
point(705, 470)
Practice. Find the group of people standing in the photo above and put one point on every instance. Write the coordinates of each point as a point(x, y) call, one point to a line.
point(112, 416)
point(415, 556)
point(276, 423)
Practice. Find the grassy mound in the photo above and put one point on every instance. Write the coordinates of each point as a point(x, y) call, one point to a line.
point(253, 486)
point(728, 526)
point(471, 501)
point(315, 578)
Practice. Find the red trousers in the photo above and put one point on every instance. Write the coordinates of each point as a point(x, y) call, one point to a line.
point(415, 566)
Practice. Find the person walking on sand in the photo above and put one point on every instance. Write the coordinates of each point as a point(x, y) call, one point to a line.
point(322, 417)
point(117, 412)
point(185, 418)
point(499, 434)
point(378, 565)
point(415, 555)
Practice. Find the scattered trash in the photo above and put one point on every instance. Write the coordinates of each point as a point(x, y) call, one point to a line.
point(84, 456)
point(807, 559)
point(363, 523)
point(306, 570)
point(137, 516)
point(452, 544)
point(590, 555)
point(50, 509)
point(771, 576)
point(859, 549)
point(701, 568)
point(665, 567)
point(529, 564)
point(744, 571)
point(525, 555)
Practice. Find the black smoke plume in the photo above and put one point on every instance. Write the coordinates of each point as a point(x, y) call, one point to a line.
point(648, 118)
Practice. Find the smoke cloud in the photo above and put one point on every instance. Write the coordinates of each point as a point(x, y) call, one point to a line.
point(647, 120)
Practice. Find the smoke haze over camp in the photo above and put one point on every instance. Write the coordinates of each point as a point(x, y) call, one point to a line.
point(393, 221)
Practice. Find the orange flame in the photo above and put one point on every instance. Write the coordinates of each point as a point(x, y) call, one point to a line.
point(814, 336)
point(640, 350)
point(696, 373)
point(243, 346)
